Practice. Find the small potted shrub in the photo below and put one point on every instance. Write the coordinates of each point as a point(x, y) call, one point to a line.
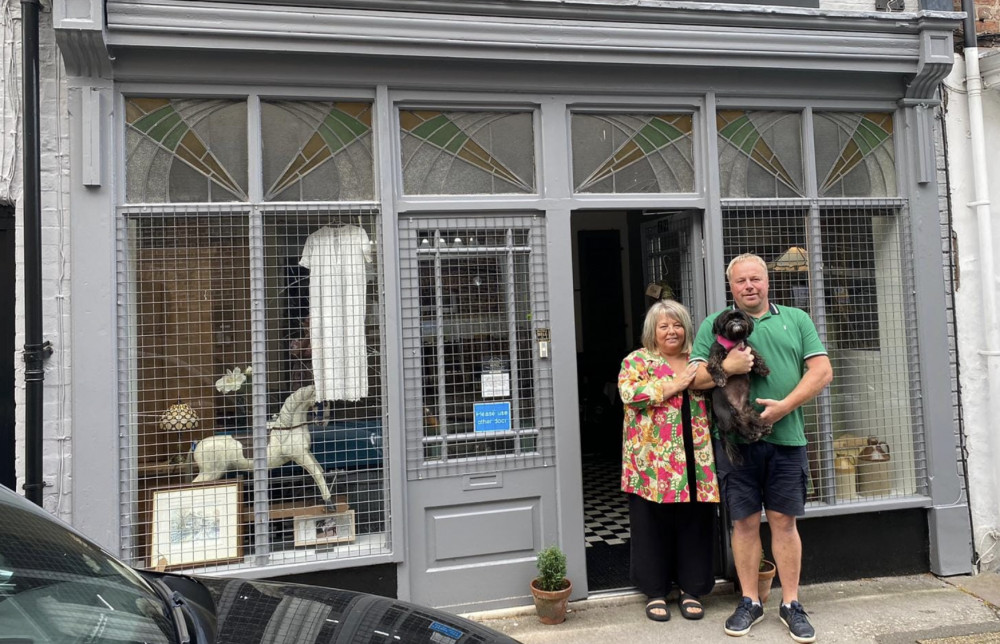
point(765, 576)
point(550, 588)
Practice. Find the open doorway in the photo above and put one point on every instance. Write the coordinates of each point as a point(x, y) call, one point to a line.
point(623, 261)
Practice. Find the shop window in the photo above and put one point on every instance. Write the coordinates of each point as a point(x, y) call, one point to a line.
point(316, 150)
point(760, 154)
point(252, 373)
point(864, 431)
point(855, 156)
point(476, 337)
point(633, 153)
point(467, 153)
point(185, 150)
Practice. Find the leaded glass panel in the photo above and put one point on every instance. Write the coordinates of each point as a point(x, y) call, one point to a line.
point(633, 153)
point(855, 156)
point(317, 150)
point(458, 153)
point(760, 154)
point(185, 150)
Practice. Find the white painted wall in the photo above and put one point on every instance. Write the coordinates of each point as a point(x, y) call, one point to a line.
point(981, 429)
point(54, 120)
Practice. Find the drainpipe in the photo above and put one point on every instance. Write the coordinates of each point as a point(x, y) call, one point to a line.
point(981, 203)
point(35, 351)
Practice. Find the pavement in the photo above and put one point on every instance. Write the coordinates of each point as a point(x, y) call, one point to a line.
point(915, 609)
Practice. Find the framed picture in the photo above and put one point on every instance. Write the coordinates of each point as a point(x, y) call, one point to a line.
point(325, 528)
point(195, 525)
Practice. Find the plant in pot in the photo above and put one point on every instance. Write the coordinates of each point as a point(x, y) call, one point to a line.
point(550, 588)
point(765, 576)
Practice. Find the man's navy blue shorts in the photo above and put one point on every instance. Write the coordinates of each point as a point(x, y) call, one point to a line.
point(772, 476)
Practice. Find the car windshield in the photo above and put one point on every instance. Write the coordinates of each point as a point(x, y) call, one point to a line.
point(57, 587)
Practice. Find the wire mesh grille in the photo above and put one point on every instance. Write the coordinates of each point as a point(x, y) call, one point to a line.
point(669, 260)
point(252, 399)
point(475, 337)
point(843, 262)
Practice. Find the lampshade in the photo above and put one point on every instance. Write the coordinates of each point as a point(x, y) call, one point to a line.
point(793, 259)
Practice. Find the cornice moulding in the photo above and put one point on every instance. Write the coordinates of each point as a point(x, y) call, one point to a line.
point(989, 69)
point(634, 32)
point(657, 11)
point(744, 39)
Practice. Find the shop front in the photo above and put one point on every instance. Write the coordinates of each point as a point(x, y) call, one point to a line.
point(364, 276)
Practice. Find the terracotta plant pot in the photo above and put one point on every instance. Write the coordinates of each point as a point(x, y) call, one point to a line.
point(551, 606)
point(764, 578)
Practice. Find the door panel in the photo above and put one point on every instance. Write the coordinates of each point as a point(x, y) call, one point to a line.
point(479, 435)
point(475, 546)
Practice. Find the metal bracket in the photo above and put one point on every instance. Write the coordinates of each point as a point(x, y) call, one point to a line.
point(34, 355)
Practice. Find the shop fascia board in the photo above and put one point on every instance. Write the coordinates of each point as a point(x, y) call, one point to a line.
point(575, 31)
point(743, 37)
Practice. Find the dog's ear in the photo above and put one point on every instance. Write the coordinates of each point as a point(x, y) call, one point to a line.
point(719, 326)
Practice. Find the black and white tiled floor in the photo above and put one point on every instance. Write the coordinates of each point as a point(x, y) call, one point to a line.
point(605, 506)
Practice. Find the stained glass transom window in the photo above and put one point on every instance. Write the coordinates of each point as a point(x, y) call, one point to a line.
point(760, 154)
point(855, 156)
point(451, 153)
point(316, 150)
point(184, 150)
point(630, 153)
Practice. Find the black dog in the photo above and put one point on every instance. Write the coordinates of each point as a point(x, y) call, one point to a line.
point(731, 397)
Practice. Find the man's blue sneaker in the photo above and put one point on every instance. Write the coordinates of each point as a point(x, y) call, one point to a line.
point(746, 615)
point(797, 621)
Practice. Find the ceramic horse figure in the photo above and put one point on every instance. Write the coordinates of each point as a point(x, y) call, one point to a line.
point(288, 442)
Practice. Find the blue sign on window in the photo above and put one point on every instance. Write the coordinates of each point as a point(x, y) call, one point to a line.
point(492, 417)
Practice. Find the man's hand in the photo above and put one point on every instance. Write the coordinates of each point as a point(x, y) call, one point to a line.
point(774, 410)
point(738, 361)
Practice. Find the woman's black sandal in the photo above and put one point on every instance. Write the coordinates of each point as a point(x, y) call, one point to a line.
point(690, 607)
point(658, 603)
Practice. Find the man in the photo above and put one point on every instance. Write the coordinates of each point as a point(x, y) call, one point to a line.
point(772, 472)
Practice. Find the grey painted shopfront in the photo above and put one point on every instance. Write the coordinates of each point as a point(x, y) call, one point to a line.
point(442, 223)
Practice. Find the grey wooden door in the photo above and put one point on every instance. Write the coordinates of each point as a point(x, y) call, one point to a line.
point(480, 492)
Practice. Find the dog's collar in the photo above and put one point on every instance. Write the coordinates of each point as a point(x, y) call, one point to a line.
point(726, 343)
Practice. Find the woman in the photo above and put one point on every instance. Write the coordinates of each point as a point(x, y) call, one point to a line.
point(668, 469)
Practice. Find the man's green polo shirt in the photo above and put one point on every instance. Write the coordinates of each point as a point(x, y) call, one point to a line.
point(785, 337)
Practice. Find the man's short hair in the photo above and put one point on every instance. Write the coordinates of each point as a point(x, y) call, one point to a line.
point(745, 257)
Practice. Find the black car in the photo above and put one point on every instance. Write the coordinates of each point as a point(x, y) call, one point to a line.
point(56, 586)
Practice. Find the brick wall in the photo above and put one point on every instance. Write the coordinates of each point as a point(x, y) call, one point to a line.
point(54, 123)
point(988, 17)
point(987, 22)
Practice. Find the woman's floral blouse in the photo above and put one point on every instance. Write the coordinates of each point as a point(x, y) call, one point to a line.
point(654, 463)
